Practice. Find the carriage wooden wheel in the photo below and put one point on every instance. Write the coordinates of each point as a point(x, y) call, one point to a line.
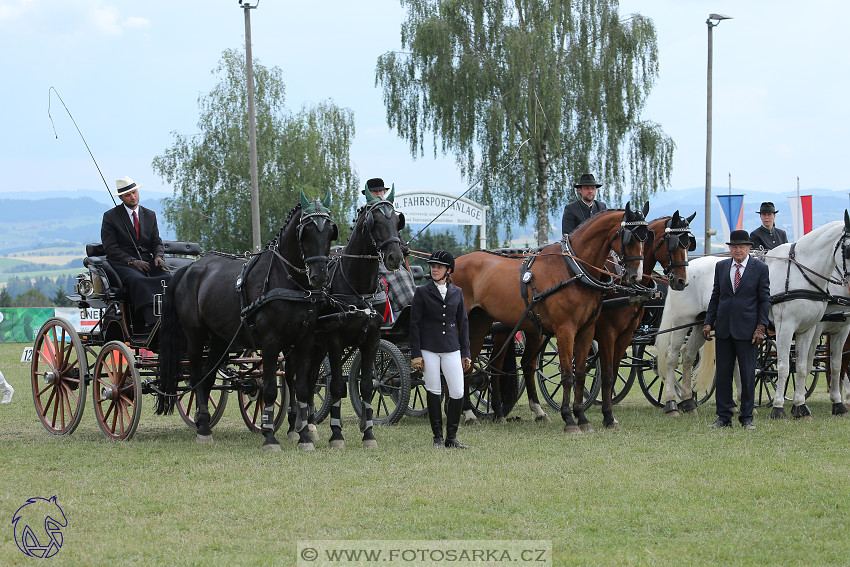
point(390, 384)
point(60, 374)
point(549, 376)
point(187, 404)
point(117, 391)
point(652, 385)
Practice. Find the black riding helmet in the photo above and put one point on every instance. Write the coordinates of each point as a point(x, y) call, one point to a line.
point(443, 257)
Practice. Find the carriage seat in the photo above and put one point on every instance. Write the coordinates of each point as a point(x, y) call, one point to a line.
point(177, 255)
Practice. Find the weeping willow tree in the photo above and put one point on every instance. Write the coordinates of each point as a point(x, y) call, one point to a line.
point(210, 170)
point(527, 95)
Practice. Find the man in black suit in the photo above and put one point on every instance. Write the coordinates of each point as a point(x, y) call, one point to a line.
point(134, 249)
point(583, 208)
point(767, 236)
point(737, 312)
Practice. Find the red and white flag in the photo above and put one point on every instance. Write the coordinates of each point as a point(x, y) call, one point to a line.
point(801, 214)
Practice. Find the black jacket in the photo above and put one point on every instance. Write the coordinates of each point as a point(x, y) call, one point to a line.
point(119, 238)
point(736, 314)
point(438, 325)
point(577, 212)
point(761, 237)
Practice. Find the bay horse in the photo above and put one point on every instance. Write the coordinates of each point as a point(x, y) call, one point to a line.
point(494, 287)
point(224, 302)
point(799, 274)
point(622, 311)
point(348, 316)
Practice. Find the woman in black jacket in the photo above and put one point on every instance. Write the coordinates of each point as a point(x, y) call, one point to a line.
point(439, 340)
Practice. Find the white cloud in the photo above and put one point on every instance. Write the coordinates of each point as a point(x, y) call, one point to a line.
point(106, 20)
point(136, 22)
point(13, 9)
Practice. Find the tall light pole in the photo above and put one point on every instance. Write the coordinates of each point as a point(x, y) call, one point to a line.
point(711, 22)
point(252, 126)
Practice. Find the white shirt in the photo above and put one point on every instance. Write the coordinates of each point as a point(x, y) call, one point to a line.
point(743, 268)
point(442, 288)
point(130, 214)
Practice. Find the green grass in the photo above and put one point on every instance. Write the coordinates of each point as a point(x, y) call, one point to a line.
point(659, 492)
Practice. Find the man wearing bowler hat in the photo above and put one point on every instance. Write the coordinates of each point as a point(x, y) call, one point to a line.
point(737, 312)
point(585, 206)
point(130, 236)
point(767, 236)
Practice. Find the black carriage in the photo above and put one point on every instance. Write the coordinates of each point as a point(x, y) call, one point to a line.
point(117, 360)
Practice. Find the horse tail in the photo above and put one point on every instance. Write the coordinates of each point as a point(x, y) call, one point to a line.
point(705, 370)
point(172, 345)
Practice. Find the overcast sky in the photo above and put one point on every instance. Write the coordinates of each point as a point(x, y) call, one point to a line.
point(132, 72)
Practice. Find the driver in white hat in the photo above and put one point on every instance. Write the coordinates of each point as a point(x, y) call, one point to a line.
point(134, 249)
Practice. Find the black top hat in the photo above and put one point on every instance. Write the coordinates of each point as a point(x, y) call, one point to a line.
point(739, 237)
point(374, 184)
point(767, 207)
point(587, 179)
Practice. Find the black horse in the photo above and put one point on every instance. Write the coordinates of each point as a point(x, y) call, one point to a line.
point(349, 317)
point(267, 303)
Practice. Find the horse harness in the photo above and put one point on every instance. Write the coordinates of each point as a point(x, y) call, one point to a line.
point(821, 294)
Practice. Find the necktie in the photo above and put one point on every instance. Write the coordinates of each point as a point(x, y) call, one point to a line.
point(737, 275)
point(136, 226)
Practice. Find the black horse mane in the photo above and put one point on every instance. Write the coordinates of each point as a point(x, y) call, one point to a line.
point(662, 218)
point(276, 239)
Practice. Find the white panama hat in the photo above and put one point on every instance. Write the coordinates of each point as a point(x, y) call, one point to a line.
point(125, 186)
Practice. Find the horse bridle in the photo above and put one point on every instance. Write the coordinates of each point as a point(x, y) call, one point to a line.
point(370, 221)
point(683, 239)
point(629, 230)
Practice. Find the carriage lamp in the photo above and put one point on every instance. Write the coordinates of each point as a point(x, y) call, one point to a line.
point(84, 286)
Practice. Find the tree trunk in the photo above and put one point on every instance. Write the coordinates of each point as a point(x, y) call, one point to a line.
point(542, 195)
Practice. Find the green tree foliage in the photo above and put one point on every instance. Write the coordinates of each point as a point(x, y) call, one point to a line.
point(5, 298)
point(527, 95)
point(60, 299)
point(210, 171)
point(31, 298)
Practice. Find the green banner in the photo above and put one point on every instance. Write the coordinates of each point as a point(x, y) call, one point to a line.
point(21, 325)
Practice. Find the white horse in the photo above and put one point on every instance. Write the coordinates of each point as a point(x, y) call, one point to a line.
point(682, 308)
point(813, 265)
point(808, 267)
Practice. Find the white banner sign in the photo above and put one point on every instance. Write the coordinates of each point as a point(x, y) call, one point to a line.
point(423, 207)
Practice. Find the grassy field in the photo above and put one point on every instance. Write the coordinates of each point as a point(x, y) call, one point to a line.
point(658, 492)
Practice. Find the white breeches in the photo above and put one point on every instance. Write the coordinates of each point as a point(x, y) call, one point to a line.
point(452, 367)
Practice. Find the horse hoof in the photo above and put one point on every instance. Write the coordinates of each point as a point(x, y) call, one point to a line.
point(337, 443)
point(370, 443)
point(671, 414)
point(671, 408)
point(839, 409)
point(204, 439)
point(472, 421)
point(573, 429)
point(542, 419)
point(692, 412)
point(586, 427)
point(314, 434)
point(306, 447)
point(778, 413)
point(615, 425)
point(801, 412)
point(271, 447)
point(500, 420)
point(292, 435)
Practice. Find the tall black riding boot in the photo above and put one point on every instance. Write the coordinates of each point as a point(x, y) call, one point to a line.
point(435, 414)
point(453, 411)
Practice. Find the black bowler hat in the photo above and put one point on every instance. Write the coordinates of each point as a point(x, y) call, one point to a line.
point(767, 208)
point(375, 184)
point(586, 179)
point(739, 237)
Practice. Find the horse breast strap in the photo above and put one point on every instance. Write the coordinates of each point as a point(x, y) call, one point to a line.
point(577, 269)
